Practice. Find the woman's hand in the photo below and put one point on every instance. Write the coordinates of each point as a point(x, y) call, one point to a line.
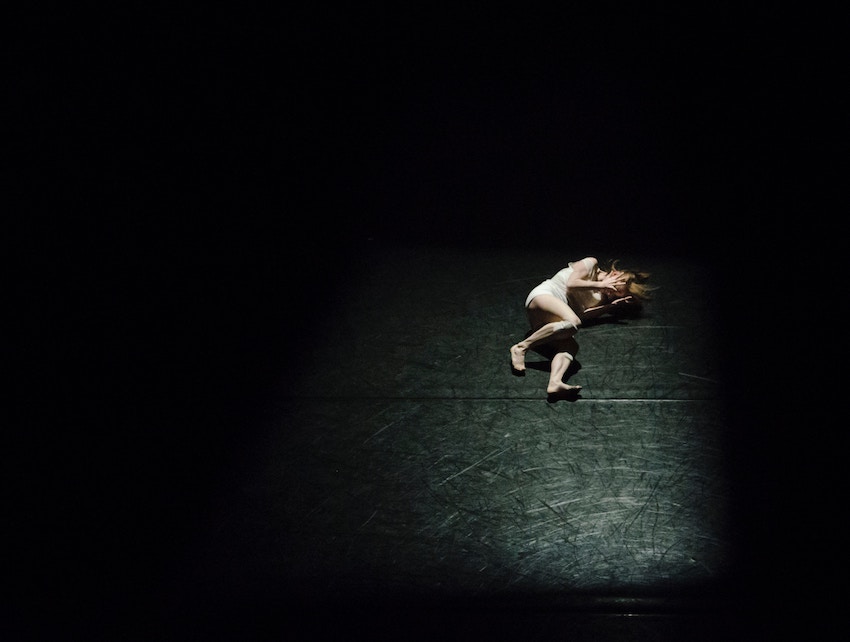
point(612, 281)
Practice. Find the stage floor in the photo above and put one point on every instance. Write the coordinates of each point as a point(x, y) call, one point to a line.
point(406, 469)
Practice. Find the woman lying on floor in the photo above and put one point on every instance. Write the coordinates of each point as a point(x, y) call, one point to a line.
point(557, 308)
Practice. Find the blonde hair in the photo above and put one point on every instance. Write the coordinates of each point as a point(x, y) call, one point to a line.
point(636, 282)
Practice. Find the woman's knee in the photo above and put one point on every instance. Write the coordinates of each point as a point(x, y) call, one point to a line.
point(568, 345)
point(560, 326)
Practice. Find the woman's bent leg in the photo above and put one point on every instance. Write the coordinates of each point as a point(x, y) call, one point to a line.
point(551, 319)
point(560, 363)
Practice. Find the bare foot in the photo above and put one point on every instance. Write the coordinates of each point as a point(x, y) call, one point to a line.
point(562, 391)
point(517, 358)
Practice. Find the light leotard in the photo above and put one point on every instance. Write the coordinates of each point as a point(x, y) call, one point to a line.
point(557, 285)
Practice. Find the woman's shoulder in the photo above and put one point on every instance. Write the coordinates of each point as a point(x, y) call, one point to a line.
point(587, 264)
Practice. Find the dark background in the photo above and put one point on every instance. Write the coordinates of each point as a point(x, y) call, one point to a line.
point(188, 181)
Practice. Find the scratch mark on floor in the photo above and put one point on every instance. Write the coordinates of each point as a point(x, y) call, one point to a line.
point(477, 463)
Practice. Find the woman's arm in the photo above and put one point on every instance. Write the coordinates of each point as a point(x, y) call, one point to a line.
point(619, 304)
point(582, 270)
point(580, 276)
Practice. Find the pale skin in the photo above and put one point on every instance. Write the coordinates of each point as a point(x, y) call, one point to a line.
point(547, 312)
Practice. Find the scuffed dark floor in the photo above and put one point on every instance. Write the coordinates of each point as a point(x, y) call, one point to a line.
point(408, 468)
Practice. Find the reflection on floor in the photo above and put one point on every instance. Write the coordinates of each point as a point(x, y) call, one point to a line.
point(409, 472)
